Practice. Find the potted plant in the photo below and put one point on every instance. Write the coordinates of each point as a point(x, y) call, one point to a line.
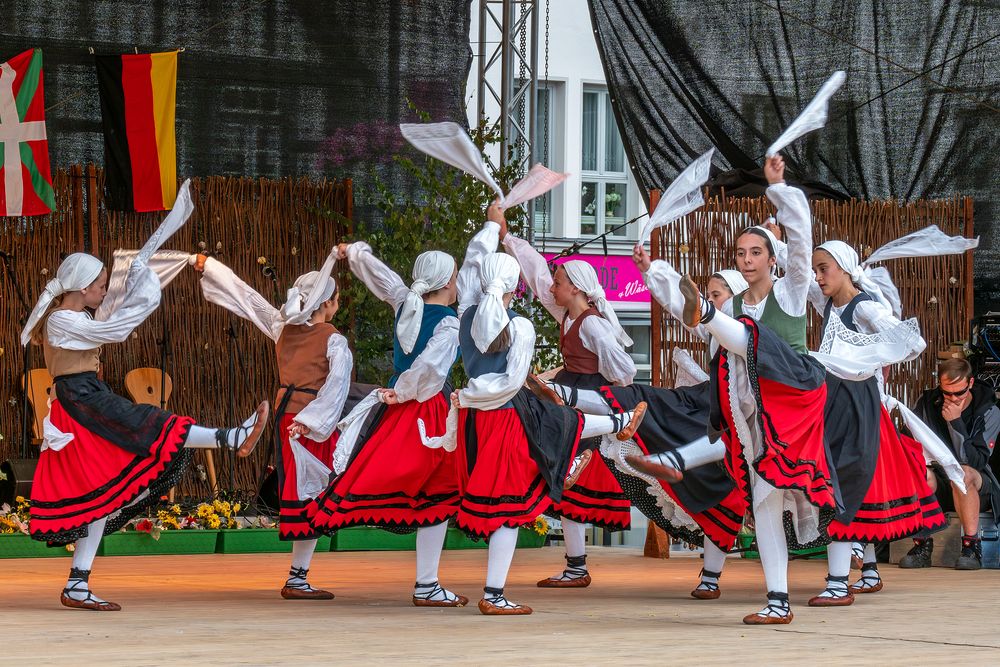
point(15, 540)
point(533, 536)
point(170, 531)
point(257, 536)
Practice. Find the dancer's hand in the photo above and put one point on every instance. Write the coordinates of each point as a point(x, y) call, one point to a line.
point(774, 169)
point(454, 399)
point(342, 250)
point(495, 214)
point(388, 396)
point(641, 257)
point(774, 228)
point(199, 263)
point(296, 429)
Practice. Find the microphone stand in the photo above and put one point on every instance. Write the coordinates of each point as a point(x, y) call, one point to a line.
point(26, 354)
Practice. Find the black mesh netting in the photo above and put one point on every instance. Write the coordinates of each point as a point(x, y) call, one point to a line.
point(917, 118)
point(265, 87)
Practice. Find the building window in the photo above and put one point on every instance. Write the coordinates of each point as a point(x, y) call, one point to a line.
point(544, 150)
point(604, 192)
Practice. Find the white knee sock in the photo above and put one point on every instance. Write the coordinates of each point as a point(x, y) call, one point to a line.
point(869, 553)
point(729, 333)
point(77, 586)
point(595, 425)
point(430, 541)
point(771, 542)
point(588, 401)
point(715, 560)
point(838, 558)
point(700, 452)
point(302, 553)
point(575, 535)
point(201, 437)
point(501, 553)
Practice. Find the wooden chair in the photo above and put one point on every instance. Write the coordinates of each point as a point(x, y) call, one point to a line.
point(38, 388)
point(146, 386)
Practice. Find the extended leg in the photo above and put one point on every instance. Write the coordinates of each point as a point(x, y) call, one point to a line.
point(242, 438)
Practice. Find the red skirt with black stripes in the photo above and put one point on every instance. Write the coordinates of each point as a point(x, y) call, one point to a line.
point(393, 480)
point(899, 502)
point(499, 481)
point(596, 498)
point(92, 478)
point(295, 513)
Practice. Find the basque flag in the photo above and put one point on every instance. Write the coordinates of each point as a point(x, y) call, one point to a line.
point(25, 177)
point(138, 106)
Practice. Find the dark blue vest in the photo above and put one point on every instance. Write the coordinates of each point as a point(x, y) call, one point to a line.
point(433, 314)
point(847, 317)
point(479, 363)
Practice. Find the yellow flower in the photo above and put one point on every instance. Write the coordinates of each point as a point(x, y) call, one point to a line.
point(213, 522)
point(175, 509)
point(204, 510)
point(236, 508)
point(19, 500)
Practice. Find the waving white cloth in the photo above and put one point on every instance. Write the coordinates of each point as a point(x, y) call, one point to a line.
point(166, 264)
point(76, 272)
point(734, 279)
point(584, 277)
point(934, 449)
point(449, 441)
point(431, 271)
point(451, 144)
point(498, 276)
point(927, 242)
point(681, 197)
point(311, 475)
point(812, 117)
point(309, 291)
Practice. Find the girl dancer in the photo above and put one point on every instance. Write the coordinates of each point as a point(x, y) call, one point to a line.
point(392, 480)
point(104, 459)
point(514, 450)
point(593, 345)
point(314, 368)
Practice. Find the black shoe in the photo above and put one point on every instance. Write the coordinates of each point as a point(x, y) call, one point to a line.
point(972, 555)
point(919, 555)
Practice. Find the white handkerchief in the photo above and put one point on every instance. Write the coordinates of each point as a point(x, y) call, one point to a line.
point(451, 144)
point(812, 117)
point(927, 242)
point(681, 197)
point(538, 181)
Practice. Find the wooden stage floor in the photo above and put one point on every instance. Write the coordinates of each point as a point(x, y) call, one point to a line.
point(225, 610)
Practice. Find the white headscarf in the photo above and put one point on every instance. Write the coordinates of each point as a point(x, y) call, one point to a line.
point(734, 279)
point(76, 272)
point(307, 293)
point(584, 277)
point(432, 271)
point(498, 276)
point(847, 258)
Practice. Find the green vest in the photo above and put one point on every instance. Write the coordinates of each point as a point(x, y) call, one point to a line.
point(790, 329)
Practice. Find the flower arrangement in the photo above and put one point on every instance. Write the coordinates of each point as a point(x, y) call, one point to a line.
point(206, 516)
point(15, 519)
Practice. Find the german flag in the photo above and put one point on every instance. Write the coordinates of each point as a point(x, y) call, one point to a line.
point(138, 106)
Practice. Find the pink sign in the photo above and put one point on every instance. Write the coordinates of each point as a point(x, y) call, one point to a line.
point(619, 277)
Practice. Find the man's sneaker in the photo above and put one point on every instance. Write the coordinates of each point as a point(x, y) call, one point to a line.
point(919, 555)
point(972, 554)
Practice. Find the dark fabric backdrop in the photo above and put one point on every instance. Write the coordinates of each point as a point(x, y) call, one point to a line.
point(265, 88)
point(688, 74)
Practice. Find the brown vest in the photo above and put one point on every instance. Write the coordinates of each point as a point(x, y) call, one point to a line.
point(577, 358)
point(302, 362)
point(59, 361)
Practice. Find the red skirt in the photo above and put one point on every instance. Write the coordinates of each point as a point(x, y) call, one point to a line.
point(393, 479)
point(295, 513)
point(596, 498)
point(790, 420)
point(898, 503)
point(499, 481)
point(91, 478)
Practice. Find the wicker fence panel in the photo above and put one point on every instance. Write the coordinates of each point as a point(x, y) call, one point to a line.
point(220, 365)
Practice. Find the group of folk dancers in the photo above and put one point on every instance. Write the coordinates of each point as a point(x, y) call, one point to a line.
point(799, 442)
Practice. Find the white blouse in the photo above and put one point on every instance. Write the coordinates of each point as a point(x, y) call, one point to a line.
point(428, 373)
point(596, 333)
point(224, 288)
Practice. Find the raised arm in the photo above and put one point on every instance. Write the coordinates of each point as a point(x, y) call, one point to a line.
point(429, 371)
point(380, 280)
point(224, 288)
point(320, 417)
point(792, 289)
point(492, 390)
point(484, 243)
point(73, 330)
